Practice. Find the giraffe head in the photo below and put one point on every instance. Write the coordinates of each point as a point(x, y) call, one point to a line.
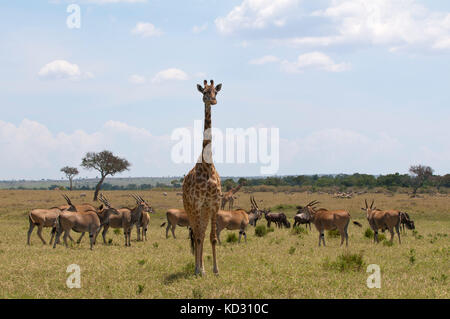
point(209, 92)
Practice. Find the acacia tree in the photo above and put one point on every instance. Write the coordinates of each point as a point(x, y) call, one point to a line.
point(70, 173)
point(106, 163)
point(421, 174)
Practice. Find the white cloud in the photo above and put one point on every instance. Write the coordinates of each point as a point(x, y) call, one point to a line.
point(314, 60)
point(33, 151)
point(170, 74)
point(396, 24)
point(61, 69)
point(136, 79)
point(256, 14)
point(146, 29)
point(198, 29)
point(264, 60)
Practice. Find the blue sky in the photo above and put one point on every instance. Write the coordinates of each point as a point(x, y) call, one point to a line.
point(352, 85)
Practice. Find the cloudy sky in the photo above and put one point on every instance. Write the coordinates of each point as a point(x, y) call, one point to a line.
point(352, 85)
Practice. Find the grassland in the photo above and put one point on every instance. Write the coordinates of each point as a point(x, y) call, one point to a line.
point(282, 264)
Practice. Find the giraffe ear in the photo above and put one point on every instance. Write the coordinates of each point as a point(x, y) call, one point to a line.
point(218, 87)
point(199, 88)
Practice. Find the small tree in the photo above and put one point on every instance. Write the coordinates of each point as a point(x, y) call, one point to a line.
point(70, 173)
point(420, 174)
point(106, 163)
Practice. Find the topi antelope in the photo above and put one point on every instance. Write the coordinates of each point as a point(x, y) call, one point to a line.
point(325, 219)
point(88, 221)
point(175, 217)
point(383, 219)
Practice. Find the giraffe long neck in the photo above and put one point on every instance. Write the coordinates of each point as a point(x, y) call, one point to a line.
point(207, 136)
point(207, 127)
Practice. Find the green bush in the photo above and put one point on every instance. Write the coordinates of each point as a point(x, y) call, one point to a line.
point(117, 231)
point(388, 243)
point(333, 233)
point(298, 230)
point(368, 233)
point(232, 238)
point(346, 262)
point(261, 230)
point(291, 250)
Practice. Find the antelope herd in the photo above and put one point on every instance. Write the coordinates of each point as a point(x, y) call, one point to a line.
point(87, 218)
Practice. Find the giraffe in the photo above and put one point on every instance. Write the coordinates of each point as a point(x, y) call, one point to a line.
point(202, 189)
point(228, 197)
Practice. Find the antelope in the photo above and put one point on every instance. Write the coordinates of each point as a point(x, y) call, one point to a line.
point(47, 217)
point(406, 222)
point(231, 220)
point(279, 219)
point(238, 219)
point(325, 219)
point(175, 217)
point(143, 224)
point(43, 218)
point(79, 208)
point(127, 218)
point(88, 221)
point(302, 218)
point(255, 213)
point(383, 219)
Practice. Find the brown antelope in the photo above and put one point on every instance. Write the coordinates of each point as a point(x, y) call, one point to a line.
point(88, 221)
point(79, 208)
point(231, 220)
point(127, 218)
point(43, 218)
point(143, 224)
point(325, 219)
point(383, 219)
point(175, 217)
point(47, 217)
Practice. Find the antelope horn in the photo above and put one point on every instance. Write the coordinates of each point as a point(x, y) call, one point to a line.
point(67, 199)
point(254, 201)
point(314, 202)
point(367, 206)
point(138, 199)
point(135, 198)
point(372, 204)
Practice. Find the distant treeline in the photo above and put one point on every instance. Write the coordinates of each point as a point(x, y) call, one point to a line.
point(341, 182)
